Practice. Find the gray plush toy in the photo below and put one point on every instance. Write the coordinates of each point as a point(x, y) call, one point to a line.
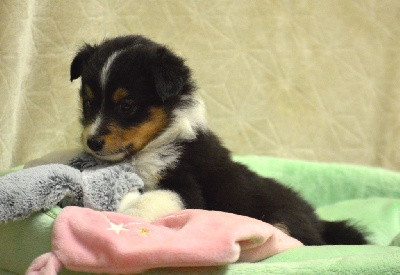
point(85, 182)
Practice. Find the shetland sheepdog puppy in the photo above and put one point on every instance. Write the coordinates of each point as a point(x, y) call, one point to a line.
point(139, 105)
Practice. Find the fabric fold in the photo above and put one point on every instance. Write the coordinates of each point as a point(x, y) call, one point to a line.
point(92, 241)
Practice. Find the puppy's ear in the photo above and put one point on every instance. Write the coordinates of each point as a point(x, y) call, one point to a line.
point(82, 56)
point(170, 73)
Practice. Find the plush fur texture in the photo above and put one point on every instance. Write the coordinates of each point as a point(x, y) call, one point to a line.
point(139, 103)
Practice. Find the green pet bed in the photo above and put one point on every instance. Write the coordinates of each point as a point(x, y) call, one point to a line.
point(368, 196)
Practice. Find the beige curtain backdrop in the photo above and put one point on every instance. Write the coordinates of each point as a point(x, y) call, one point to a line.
point(312, 80)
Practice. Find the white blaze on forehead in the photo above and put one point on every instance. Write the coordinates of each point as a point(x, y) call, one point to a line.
point(105, 71)
point(91, 130)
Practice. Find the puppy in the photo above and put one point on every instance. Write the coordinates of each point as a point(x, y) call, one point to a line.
point(139, 105)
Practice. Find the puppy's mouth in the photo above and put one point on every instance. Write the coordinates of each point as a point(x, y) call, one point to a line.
point(112, 157)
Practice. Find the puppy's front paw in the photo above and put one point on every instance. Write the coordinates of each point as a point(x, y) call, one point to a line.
point(151, 205)
point(128, 202)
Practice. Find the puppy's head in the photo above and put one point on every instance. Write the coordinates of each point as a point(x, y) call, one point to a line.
point(130, 85)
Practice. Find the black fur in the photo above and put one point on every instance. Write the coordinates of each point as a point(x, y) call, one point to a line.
point(205, 176)
point(341, 232)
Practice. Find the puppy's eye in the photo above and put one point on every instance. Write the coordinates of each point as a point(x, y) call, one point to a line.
point(126, 107)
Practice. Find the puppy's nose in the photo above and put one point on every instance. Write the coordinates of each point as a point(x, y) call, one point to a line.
point(95, 144)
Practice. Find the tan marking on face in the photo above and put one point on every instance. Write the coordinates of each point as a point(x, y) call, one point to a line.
point(136, 137)
point(119, 95)
point(88, 92)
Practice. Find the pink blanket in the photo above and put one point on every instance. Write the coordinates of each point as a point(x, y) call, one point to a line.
point(92, 241)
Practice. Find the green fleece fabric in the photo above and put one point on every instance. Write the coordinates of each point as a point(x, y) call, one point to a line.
point(368, 196)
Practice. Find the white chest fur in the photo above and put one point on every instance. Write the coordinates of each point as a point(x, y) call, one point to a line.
point(164, 151)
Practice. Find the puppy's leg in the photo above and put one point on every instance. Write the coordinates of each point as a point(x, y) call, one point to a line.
point(151, 205)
